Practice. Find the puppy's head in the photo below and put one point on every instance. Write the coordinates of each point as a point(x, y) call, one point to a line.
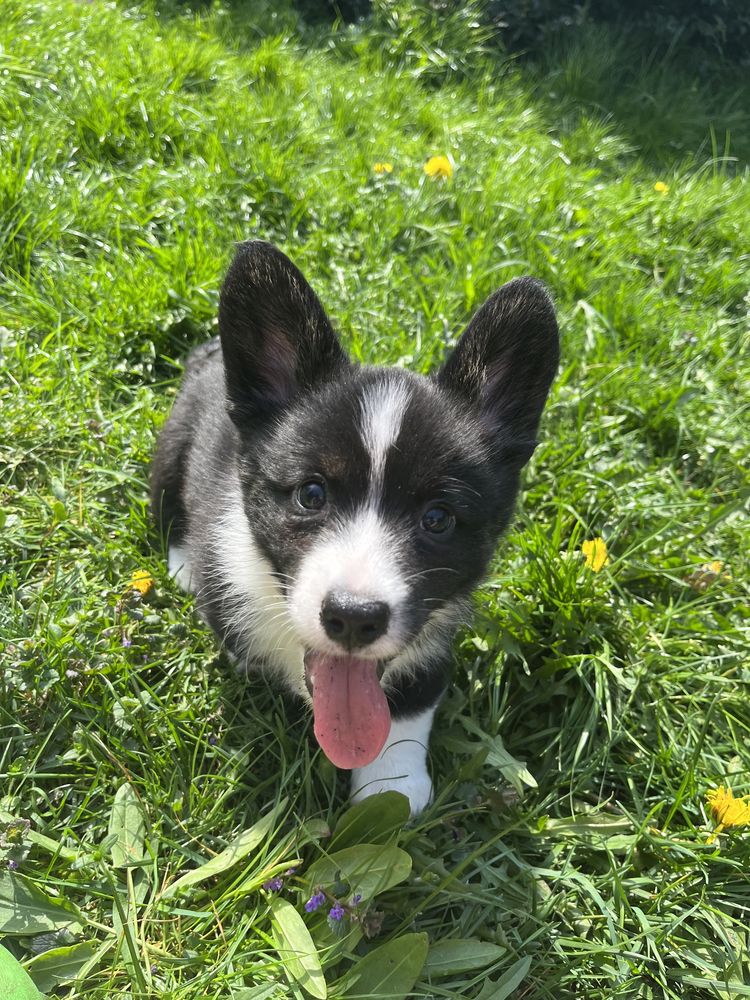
point(376, 495)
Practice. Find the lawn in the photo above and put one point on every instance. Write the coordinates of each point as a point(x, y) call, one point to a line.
point(570, 851)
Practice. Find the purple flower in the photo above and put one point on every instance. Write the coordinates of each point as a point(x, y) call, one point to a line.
point(356, 899)
point(317, 899)
point(337, 912)
point(274, 884)
point(127, 641)
point(13, 864)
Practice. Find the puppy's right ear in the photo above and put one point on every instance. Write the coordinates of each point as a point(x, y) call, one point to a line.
point(504, 364)
point(276, 339)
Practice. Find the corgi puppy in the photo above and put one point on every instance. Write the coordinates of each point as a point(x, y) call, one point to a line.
point(332, 519)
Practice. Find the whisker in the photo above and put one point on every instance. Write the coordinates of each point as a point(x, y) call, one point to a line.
point(434, 569)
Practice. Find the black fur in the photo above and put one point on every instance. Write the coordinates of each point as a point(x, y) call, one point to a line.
point(276, 338)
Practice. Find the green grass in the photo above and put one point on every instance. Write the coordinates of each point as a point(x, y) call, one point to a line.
point(133, 151)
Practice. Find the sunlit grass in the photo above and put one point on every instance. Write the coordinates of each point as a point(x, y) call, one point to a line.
point(133, 152)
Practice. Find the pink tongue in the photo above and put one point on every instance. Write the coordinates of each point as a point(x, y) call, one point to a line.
point(352, 718)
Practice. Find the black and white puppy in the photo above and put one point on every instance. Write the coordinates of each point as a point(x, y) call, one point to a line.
point(333, 519)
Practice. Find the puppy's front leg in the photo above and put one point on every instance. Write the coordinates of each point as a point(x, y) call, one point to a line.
point(401, 765)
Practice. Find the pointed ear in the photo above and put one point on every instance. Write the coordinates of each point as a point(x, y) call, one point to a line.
point(275, 337)
point(504, 364)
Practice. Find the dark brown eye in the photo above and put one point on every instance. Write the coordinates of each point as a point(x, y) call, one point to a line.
point(311, 495)
point(438, 519)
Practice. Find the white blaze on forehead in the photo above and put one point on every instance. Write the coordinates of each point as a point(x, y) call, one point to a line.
point(383, 409)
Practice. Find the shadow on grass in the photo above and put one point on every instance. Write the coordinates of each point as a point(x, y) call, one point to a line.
point(666, 100)
point(666, 104)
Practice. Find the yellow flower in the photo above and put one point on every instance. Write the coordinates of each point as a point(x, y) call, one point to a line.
point(727, 810)
point(383, 168)
point(439, 166)
point(595, 551)
point(142, 581)
point(661, 188)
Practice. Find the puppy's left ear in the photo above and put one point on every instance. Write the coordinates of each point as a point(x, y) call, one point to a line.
point(504, 364)
point(276, 339)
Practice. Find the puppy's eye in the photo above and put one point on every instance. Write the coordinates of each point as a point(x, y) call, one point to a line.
point(438, 519)
point(311, 495)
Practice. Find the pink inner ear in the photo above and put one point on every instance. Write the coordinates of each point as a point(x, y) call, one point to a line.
point(277, 365)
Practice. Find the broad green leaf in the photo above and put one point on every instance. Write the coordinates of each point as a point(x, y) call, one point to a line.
point(127, 829)
point(237, 850)
point(15, 983)
point(61, 965)
point(503, 987)
point(456, 955)
point(26, 910)
point(599, 831)
point(311, 831)
point(389, 972)
point(372, 821)
point(732, 990)
point(368, 869)
point(127, 822)
point(263, 992)
point(58, 490)
point(296, 949)
point(514, 771)
point(591, 825)
point(106, 946)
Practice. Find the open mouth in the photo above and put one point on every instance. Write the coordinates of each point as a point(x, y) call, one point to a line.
point(350, 710)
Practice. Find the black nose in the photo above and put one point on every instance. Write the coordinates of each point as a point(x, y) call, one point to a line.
point(353, 621)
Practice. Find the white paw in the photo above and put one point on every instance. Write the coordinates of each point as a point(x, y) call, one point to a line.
point(401, 765)
point(417, 787)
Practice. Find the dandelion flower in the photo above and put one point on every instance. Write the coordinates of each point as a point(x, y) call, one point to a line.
point(142, 581)
point(661, 188)
point(439, 167)
point(595, 551)
point(383, 167)
point(727, 810)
